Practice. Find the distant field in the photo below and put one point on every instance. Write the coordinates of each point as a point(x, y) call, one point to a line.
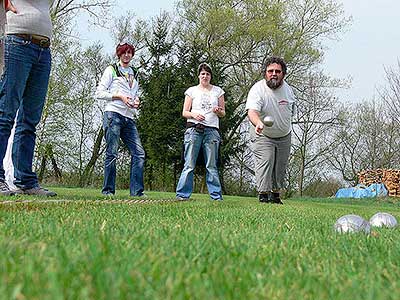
point(237, 249)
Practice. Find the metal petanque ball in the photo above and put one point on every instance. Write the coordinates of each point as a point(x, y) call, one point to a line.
point(382, 219)
point(352, 223)
point(268, 121)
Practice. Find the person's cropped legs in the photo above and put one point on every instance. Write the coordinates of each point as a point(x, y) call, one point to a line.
point(112, 127)
point(130, 136)
point(192, 142)
point(29, 115)
point(211, 143)
point(264, 159)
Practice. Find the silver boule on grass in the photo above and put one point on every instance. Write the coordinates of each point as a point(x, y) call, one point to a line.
point(382, 219)
point(268, 121)
point(352, 224)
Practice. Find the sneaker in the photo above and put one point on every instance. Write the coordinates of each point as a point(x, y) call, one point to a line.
point(265, 197)
point(107, 195)
point(39, 191)
point(218, 199)
point(179, 198)
point(5, 189)
point(276, 198)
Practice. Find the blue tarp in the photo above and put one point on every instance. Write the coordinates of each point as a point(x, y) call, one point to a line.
point(362, 191)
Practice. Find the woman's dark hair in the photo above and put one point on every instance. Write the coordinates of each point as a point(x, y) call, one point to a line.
point(275, 60)
point(204, 67)
point(122, 48)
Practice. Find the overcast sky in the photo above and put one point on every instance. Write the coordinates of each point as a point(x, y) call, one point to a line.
point(371, 43)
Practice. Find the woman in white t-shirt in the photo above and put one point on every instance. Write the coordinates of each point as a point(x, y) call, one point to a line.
point(204, 105)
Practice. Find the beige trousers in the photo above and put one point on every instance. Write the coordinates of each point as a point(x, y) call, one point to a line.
point(271, 157)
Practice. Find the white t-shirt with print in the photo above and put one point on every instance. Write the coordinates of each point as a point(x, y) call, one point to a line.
point(279, 104)
point(203, 102)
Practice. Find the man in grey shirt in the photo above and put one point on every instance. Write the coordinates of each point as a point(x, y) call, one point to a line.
point(23, 88)
point(270, 105)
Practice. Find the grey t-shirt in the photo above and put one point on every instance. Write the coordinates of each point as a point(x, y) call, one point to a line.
point(279, 104)
point(33, 17)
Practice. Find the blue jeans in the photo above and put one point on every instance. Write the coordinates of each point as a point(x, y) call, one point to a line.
point(209, 140)
point(23, 88)
point(117, 126)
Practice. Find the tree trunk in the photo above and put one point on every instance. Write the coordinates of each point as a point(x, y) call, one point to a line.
point(96, 152)
point(175, 174)
point(42, 168)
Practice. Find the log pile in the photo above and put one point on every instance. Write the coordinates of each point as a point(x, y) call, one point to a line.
point(389, 177)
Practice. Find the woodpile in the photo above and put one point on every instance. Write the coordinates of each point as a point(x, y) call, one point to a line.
point(389, 177)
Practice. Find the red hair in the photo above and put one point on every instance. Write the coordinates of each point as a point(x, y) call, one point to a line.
point(121, 49)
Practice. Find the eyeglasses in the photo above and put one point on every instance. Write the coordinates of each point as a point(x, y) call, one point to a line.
point(271, 71)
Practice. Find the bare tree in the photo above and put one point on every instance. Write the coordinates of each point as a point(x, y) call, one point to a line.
point(316, 118)
point(368, 139)
point(70, 109)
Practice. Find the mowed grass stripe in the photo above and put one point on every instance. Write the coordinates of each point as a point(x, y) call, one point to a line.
point(194, 250)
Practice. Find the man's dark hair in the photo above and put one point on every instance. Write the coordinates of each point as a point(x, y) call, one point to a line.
point(275, 60)
point(204, 66)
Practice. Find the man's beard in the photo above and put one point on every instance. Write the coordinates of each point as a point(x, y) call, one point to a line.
point(274, 83)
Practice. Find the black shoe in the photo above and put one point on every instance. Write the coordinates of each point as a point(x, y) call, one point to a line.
point(276, 198)
point(265, 197)
point(39, 191)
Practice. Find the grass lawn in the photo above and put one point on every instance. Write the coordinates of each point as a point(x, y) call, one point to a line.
point(235, 249)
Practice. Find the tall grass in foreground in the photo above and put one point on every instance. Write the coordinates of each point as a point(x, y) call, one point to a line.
point(237, 249)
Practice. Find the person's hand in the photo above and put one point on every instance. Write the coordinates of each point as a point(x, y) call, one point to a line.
point(8, 6)
point(259, 127)
point(126, 99)
point(198, 117)
point(218, 110)
point(136, 102)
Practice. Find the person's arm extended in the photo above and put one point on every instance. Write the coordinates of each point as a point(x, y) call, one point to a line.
point(254, 117)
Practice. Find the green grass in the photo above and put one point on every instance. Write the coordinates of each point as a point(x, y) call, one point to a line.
point(237, 249)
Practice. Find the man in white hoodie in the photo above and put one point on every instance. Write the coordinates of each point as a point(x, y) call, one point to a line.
point(118, 87)
point(23, 88)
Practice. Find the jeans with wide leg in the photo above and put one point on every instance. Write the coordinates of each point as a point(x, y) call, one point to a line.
point(209, 141)
point(23, 88)
point(116, 127)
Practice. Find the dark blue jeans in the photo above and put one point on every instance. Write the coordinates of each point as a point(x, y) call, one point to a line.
point(117, 126)
point(23, 88)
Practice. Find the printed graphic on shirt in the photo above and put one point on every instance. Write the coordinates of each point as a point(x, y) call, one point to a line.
point(205, 102)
